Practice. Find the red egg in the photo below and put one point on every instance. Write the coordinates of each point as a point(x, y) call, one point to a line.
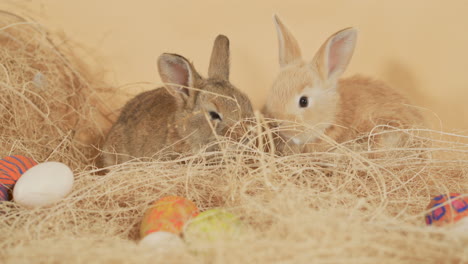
point(11, 168)
point(447, 209)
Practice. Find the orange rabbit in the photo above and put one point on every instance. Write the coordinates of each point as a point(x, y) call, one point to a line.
point(310, 102)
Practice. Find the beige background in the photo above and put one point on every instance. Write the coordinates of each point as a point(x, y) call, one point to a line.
point(418, 46)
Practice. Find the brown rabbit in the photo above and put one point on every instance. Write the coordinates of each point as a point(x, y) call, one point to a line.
point(311, 103)
point(186, 114)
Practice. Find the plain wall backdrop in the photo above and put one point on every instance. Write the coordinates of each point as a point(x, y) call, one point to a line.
point(418, 46)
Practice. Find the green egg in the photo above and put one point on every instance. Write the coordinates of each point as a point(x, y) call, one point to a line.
point(212, 225)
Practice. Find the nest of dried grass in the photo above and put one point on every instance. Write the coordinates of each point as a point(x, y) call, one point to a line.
point(327, 207)
point(49, 103)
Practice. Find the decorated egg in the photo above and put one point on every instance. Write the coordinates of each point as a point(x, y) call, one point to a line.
point(168, 214)
point(162, 240)
point(213, 224)
point(43, 184)
point(447, 209)
point(11, 168)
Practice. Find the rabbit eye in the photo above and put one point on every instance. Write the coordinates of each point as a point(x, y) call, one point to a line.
point(215, 116)
point(303, 101)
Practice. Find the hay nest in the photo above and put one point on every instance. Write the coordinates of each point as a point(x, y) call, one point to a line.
point(49, 103)
point(330, 207)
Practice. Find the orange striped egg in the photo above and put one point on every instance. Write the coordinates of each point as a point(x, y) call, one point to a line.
point(11, 168)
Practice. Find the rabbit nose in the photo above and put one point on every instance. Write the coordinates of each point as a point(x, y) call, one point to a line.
point(240, 132)
point(288, 131)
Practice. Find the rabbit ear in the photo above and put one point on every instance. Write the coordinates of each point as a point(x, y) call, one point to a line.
point(289, 50)
point(219, 62)
point(177, 74)
point(335, 54)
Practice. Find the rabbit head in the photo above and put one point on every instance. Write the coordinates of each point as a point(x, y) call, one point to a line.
point(210, 106)
point(304, 97)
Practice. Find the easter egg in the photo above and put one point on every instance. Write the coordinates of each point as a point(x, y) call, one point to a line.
point(447, 211)
point(11, 168)
point(212, 225)
point(162, 240)
point(167, 214)
point(43, 184)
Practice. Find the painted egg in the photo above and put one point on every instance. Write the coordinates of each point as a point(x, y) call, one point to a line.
point(447, 211)
point(43, 184)
point(168, 214)
point(213, 224)
point(11, 168)
point(162, 240)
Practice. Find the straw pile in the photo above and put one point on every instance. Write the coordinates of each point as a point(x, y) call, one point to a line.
point(48, 103)
point(332, 207)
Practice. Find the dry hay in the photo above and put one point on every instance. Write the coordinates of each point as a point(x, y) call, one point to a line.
point(331, 207)
point(49, 103)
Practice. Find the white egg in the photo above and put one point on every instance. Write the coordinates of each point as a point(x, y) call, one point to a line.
point(43, 184)
point(162, 241)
